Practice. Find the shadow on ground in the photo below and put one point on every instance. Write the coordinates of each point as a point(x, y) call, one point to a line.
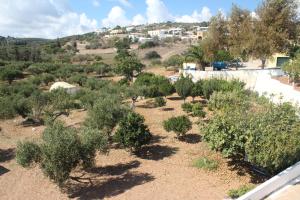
point(168, 109)
point(116, 180)
point(157, 139)
point(156, 152)
point(174, 98)
point(191, 138)
point(243, 168)
point(114, 170)
point(7, 154)
point(3, 170)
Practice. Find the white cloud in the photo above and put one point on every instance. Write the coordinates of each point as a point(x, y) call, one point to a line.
point(204, 15)
point(42, 18)
point(139, 19)
point(157, 11)
point(254, 15)
point(96, 3)
point(116, 16)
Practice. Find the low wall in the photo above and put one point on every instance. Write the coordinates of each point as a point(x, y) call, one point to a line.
point(273, 184)
point(257, 80)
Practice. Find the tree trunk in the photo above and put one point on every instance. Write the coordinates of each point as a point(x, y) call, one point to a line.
point(202, 66)
point(263, 63)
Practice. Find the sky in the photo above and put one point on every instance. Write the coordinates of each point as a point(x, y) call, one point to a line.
point(58, 18)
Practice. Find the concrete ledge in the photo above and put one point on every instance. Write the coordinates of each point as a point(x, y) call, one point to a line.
point(274, 184)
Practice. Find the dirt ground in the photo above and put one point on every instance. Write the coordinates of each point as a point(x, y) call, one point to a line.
point(162, 170)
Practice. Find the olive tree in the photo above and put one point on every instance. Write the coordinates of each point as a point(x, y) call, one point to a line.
point(61, 150)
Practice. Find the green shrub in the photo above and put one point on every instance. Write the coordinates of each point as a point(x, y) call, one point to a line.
point(227, 132)
point(206, 163)
point(78, 79)
point(197, 90)
point(236, 193)
point(61, 150)
point(152, 86)
point(148, 44)
point(273, 140)
point(159, 102)
point(7, 109)
point(184, 87)
point(224, 100)
point(28, 153)
point(152, 55)
point(187, 107)
point(174, 61)
point(10, 74)
point(265, 134)
point(105, 114)
point(47, 78)
point(132, 132)
point(214, 85)
point(197, 110)
point(180, 125)
point(91, 141)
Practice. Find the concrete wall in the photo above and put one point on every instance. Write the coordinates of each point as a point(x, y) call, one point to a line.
point(257, 80)
point(274, 184)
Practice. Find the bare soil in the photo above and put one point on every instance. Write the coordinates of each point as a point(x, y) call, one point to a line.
point(162, 170)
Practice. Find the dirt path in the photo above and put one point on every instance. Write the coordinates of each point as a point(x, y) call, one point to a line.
point(162, 170)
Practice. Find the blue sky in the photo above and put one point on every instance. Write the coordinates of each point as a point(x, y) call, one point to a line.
point(178, 7)
point(57, 18)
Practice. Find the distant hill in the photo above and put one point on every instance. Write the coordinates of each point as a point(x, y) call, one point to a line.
point(22, 41)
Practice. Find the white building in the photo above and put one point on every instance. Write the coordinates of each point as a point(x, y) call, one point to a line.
point(165, 33)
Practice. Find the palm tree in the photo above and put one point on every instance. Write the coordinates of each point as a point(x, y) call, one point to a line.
point(196, 53)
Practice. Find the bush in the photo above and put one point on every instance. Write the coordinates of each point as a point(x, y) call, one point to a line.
point(7, 110)
point(184, 87)
point(102, 68)
point(187, 107)
point(10, 74)
point(227, 132)
point(236, 193)
point(78, 79)
point(62, 150)
point(224, 100)
point(159, 102)
point(265, 134)
point(273, 140)
point(180, 125)
point(197, 90)
point(206, 163)
point(152, 86)
point(47, 78)
point(174, 61)
point(197, 110)
point(152, 55)
point(28, 153)
point(148, 44)
point(132, 132)
point(105, 114)
point(214, 85)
